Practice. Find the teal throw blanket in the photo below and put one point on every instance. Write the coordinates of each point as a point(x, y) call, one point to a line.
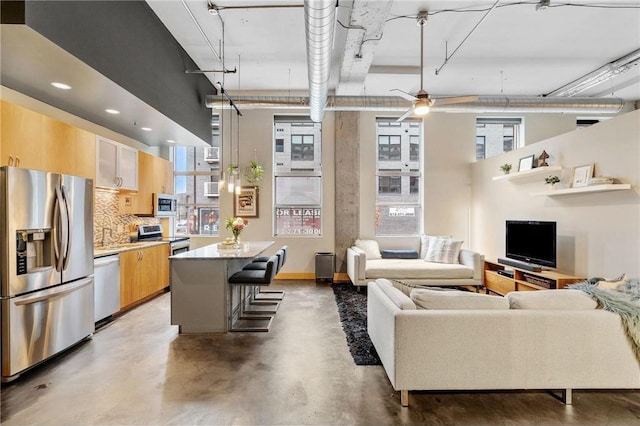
point(625, 301)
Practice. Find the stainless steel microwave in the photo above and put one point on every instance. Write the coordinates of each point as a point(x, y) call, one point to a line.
point(164, 205)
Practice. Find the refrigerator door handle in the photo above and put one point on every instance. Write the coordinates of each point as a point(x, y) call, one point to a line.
point(57, 245)
point(67, 234)
point(59, 291)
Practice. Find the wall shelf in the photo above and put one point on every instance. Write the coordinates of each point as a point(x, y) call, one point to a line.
point(529, 175)
point(594, 188)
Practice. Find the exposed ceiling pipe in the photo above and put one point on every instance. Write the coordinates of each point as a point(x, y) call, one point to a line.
point(602, 74)
point(319, 18)
point(484, 104)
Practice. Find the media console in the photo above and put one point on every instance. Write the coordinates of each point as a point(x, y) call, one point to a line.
point(498, 279)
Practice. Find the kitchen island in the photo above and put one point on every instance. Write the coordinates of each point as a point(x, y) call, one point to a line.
point(200, 299)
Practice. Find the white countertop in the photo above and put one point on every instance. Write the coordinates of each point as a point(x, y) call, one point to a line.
point(119, 248)
point(247, 250)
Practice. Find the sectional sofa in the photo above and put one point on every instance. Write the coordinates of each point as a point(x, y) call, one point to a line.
point(549, 339)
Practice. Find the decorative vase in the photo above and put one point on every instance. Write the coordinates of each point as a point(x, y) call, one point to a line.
point(236, 237)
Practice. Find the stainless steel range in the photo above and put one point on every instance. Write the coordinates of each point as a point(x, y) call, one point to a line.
point(154, 233)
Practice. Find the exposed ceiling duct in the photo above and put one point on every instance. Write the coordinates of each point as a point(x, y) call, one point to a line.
point(602, 74)
point(319, 17)
point(484, 104)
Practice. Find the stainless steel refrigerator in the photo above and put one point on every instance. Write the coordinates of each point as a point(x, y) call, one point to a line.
point(46, 232)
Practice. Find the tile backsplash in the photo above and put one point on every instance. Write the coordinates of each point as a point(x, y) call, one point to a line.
point(107, 217)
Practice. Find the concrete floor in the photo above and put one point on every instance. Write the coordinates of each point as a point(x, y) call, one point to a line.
point(138, 371)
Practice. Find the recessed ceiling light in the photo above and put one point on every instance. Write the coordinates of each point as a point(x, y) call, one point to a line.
point(146, 129)
point(62, 86)
point(170, 141)
point(112, 111)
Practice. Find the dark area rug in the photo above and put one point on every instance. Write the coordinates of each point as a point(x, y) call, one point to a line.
point(352, 307)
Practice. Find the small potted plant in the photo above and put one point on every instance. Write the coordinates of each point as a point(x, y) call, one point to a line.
point(552, 180)
point(254, 173)
point(506, 168)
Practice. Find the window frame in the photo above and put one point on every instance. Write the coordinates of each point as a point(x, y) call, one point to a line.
point(407, 169)
point(307, 165)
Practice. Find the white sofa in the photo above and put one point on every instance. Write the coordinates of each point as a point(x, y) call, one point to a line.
point(553, 349)
point(414, 271)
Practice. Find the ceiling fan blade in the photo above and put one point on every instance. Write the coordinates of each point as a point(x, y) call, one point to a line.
point(405, 95)
point(405, 115)
point(454, 100)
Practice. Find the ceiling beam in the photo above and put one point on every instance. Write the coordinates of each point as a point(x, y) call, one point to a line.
point(364, 30)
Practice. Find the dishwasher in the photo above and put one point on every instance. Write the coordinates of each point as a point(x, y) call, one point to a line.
point(106, 294)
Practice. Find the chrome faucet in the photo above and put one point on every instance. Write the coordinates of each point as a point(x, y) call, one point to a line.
point(110, 228)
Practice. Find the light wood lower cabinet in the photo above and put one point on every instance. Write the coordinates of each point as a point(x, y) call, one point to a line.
point(143, 272)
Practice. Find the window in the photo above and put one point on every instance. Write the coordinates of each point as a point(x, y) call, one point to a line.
point(389, 147)
point(495, 136)
point(414, 148)
point(301, 147)
point(399, 177)
point(196, 175)
point(297, 176)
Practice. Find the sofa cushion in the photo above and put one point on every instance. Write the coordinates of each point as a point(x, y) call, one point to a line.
point(370, 248)
point(456, 299)
point(415, 269)
point(443, 250)
point(566, 300)
point(396, 296)
point(399, 254)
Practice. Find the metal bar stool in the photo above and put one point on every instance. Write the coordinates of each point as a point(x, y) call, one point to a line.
point(248, 278)
point(269, 295)
point(268, 305)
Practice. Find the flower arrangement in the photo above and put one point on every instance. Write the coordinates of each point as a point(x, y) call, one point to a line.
point(254, 173)
point(506, 168)
point(552, 180)
point(237, 225)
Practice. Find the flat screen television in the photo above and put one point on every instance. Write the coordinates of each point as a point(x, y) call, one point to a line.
point(531, 242)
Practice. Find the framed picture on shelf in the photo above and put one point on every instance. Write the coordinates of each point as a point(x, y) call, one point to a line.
point(526, 163)
point(246, 202)
point(581, 175)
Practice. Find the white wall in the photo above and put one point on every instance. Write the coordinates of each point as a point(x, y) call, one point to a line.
point(598, 233)
point(256, 133)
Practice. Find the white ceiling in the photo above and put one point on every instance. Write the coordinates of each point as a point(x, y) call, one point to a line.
point(516, 51)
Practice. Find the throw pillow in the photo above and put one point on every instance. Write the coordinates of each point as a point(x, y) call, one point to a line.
point(443, 250)
point(370, 248)
point(456, 300)
point(569, 300)
point(613, 283)
point(396, 296)
point(425, 240)
point(399, 254)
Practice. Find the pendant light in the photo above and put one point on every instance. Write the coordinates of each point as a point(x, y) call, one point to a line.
point(232, 172)
point(237, 171)
point(221, 180)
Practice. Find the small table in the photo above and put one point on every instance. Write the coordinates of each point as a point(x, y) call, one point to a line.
point(199, 287)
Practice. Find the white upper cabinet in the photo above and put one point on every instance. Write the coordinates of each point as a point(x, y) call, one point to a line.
point(116, 165)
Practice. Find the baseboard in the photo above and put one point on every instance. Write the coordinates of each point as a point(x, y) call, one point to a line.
point(337, 277)
point(296, 276)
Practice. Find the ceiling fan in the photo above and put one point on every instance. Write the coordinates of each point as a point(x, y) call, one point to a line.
point(422, 102)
